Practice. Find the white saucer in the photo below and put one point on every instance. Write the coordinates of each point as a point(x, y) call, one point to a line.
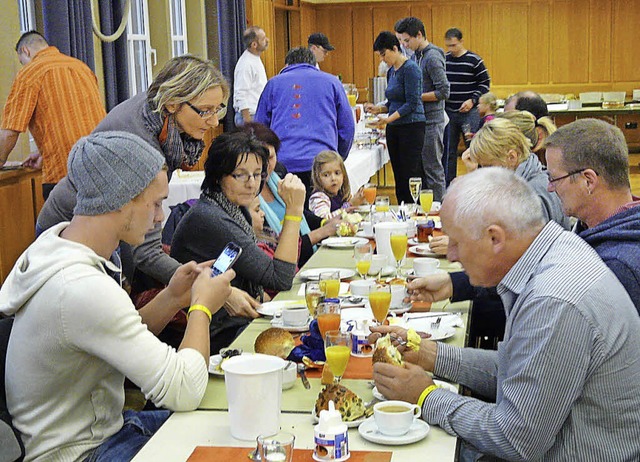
point(275, 308)
point(314, 273)
point(277, 322)
point(343, 242)
point(214, 361)
point(401, 309)
point(446, 385)
point(423, 250)
point(364, 235)
point(369, 431)
point(352, 424)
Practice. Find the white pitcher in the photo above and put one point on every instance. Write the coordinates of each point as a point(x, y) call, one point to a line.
point(383, 235)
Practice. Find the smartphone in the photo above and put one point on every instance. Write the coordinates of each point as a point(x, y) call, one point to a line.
point(227, 258)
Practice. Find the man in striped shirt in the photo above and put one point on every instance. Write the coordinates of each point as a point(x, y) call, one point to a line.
point(566, 378)
point(469, 79)
point(56, 97)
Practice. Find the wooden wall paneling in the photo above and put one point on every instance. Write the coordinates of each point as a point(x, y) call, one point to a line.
point(365, 63)
point(336, 23)
point(444, 17)
point(423, 13)
point(481, 30)
point(538, 39)
point(262, 15)
point(307, 21)
point(626, 41)
point(279, 41)
point(570, 35)
point(510, 47)
point(600, 15)
point(385, 17)
point(295, 32)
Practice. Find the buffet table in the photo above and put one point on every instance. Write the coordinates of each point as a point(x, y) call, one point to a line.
point(208, 426)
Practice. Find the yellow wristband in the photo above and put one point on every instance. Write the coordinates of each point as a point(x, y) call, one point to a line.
point(200, 308)
point(293, 218)
point(426, 393)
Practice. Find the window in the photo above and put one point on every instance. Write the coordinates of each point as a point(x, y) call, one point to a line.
point(178, 27)
point(27, 13)
point(139, 47)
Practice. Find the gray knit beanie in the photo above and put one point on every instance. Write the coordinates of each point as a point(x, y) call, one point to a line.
point(109, 169)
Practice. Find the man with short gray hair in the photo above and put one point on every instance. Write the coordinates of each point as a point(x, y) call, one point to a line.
point(566, 378)
point(588, 167)
point(249, 76)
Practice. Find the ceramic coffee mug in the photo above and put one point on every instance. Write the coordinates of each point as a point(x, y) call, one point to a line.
point(394, 418)
point(424, 266)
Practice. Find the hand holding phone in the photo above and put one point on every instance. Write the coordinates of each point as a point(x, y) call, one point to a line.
point(226, 259)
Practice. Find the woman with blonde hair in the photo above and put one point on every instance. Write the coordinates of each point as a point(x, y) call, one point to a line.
point(536, 130)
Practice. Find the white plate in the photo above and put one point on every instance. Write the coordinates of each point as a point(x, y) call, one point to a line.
point(369, 431)
point(442, 333)
point(275, 308)
point(388, 270)
point(314, 274)
point(277, 322)
point(447, 386)
point(352, 424)
point(364, 235)
point(363, 209)
point(401, 309)
point(343, 242)
point(423, 250)
point(213, 363)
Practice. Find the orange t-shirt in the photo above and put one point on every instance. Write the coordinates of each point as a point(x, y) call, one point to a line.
point(57, 98)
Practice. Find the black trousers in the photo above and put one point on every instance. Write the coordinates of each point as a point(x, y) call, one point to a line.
point(405, 151)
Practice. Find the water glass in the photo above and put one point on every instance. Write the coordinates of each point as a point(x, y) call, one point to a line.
point(278, 447)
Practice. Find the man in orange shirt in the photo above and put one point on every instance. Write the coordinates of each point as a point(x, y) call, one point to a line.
point(56, 97)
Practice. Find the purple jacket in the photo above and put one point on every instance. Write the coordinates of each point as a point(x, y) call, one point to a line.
point(309, 111)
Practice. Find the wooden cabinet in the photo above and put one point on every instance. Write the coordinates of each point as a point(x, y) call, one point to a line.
point(625, 120)
point(20, 203)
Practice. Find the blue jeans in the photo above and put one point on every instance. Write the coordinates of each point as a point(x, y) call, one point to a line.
point(456, 121)
point(138, 428)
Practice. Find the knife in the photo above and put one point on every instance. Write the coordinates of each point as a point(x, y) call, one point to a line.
point(303, 376)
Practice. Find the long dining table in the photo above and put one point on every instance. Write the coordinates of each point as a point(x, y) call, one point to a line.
point(209, 427)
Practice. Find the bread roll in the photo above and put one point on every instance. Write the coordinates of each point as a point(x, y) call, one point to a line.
point(275, 342)
point(386, 352)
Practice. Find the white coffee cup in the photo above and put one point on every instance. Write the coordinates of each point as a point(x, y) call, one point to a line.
point(295, 316)
point(360, 287)
point(424, 266)
point(394, 418)
point(398, 293)
point(289, 375)
point(367, 228)
point(377, 263)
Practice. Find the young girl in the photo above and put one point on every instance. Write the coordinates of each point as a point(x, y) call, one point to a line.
point(331, 189)
point(487, 106)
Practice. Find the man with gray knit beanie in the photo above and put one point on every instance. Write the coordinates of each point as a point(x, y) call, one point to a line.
point(76, 334)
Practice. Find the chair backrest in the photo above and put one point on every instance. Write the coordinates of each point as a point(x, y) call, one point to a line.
point(10, 442)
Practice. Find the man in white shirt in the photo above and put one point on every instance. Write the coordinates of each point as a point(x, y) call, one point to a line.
point(319, 46)
point(250, 76)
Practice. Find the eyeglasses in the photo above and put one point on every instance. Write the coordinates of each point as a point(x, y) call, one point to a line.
point(553, 180)
point(220, 112)
point(245, 177)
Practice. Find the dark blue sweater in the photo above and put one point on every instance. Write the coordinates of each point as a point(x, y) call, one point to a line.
point(404, 93)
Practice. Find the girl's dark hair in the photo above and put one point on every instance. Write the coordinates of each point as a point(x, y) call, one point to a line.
point(386, 41)
point(226, 152)
point(262, 132)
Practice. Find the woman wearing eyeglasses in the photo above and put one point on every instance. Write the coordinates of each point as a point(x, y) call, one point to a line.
point(235, 172)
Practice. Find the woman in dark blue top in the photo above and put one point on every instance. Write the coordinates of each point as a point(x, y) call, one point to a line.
point(406, 123)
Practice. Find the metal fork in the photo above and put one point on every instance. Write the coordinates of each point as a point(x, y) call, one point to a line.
point(435, 325)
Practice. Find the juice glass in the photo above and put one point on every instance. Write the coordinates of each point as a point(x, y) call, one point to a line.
point(330, 283)
point(362, 254)
point(380, 300)
point(426, 200)
point(370, 190)
point(398, 240)
point(382, 204)
point(313, 294)
point(328, 315)
point(337, 349)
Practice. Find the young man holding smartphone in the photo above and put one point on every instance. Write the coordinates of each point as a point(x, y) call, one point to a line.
point(76, 333)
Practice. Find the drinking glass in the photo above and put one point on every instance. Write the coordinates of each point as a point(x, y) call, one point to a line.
point(328, 315)
point(313, 294)
point(330, 283)
point(380, 300)
point(382, 204)
point(278, 447)
point(370, 190)
point(337, 349)
point(426, 200)
point(415, 184)
point(362, 254)
point(398, 241)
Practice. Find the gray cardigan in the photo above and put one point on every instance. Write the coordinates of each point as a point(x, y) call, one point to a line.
point(206, 229)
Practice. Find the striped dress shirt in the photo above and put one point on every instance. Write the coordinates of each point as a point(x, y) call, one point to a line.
point(56, 97)
point(566, 378)
point(468, 78)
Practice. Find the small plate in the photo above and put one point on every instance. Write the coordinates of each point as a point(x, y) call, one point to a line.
point(275, 308)
point(401, 309)
point(423, 250)
point(369, 431)
point(363, 235)
point(363, 209)
point(343, 242)
point(446, 385)
point(352, 424)
point(314, 274)
point(214, 361)
point(277, 322)
point(387, 270)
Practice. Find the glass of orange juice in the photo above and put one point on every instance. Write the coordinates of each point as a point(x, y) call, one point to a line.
point(380, 300)
point(398, 241)
point(330, 283)
point(370, 190)
point(337, 349)
point(426, 200)
point(362, 253)
point(328, 316)
point(382, 204)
